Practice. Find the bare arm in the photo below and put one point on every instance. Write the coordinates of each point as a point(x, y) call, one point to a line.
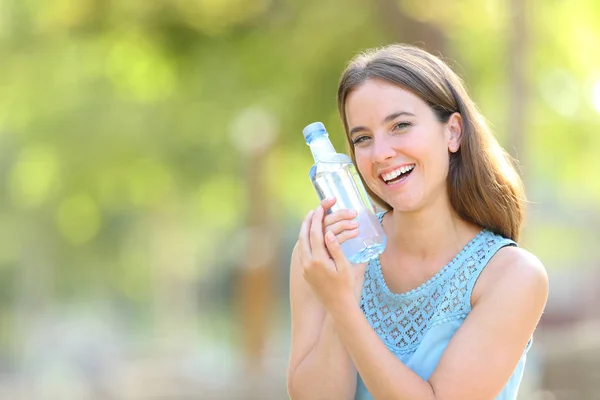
point(320, 367)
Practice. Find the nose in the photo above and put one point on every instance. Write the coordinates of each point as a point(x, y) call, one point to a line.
point(382, 149)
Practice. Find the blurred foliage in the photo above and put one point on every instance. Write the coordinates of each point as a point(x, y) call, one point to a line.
point(124, 124)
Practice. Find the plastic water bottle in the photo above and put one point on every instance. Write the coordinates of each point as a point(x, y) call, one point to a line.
point(334, 175)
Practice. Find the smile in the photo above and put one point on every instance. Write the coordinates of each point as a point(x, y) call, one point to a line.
point(398, 174)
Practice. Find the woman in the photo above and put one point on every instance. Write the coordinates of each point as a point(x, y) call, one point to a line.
point(449, 308)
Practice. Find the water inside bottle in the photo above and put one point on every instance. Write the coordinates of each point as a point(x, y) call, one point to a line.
point(369, 244)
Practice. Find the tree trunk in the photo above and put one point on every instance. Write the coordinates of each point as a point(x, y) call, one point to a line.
point(517, 87)
point(254, 288)
point(400, 27)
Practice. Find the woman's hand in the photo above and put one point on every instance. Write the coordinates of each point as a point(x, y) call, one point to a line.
point(341, 222)
point(336, 282)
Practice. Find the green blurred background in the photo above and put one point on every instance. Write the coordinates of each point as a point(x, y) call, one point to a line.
point(153, 176)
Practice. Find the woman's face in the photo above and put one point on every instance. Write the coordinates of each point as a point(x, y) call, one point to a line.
point(401, 148)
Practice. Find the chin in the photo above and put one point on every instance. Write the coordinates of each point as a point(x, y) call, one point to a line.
point(406, 209)
point(405, 203)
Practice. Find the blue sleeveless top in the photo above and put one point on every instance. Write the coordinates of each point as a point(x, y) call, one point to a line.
point(416, 326)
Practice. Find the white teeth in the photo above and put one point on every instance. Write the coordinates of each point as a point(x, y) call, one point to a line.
point(393, 174)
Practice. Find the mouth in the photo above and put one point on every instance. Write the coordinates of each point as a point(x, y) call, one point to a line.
point(397, 175)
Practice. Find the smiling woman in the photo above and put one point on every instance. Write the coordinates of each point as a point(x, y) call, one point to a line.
point(449, 308)
point(389, 143)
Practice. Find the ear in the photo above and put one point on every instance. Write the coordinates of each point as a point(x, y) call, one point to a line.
point(454, 129)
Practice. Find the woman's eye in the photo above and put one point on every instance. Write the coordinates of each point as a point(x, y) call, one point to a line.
point(402, 125)
point(359, 140)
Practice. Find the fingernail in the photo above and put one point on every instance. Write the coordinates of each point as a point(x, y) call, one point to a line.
point(330, 236)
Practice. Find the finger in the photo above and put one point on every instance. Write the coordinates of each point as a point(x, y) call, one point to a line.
point(342, 226)
point(304, 239)
point(328, 203)
point(346, 235)
point(335, 249)
point(345, 214)
point(317, 245)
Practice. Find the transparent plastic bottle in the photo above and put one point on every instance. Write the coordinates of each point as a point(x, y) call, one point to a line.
point(334, 175)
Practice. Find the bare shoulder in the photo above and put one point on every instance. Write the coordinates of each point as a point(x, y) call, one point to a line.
point(507, 302)
point(512, 271)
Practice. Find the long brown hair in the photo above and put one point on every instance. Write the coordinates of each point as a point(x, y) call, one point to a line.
point(483, 185)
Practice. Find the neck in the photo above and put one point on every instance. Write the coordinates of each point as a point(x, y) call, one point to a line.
point(430, 233)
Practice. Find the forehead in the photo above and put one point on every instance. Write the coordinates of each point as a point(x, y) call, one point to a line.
point(375, 99)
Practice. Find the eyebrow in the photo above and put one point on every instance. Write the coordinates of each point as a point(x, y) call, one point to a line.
point(386, 120)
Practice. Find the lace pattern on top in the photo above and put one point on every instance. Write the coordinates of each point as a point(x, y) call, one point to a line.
point(401, 320)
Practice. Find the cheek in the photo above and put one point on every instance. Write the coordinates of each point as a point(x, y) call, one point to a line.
point(363, 162)
point(442, 163)
point(433, 147)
